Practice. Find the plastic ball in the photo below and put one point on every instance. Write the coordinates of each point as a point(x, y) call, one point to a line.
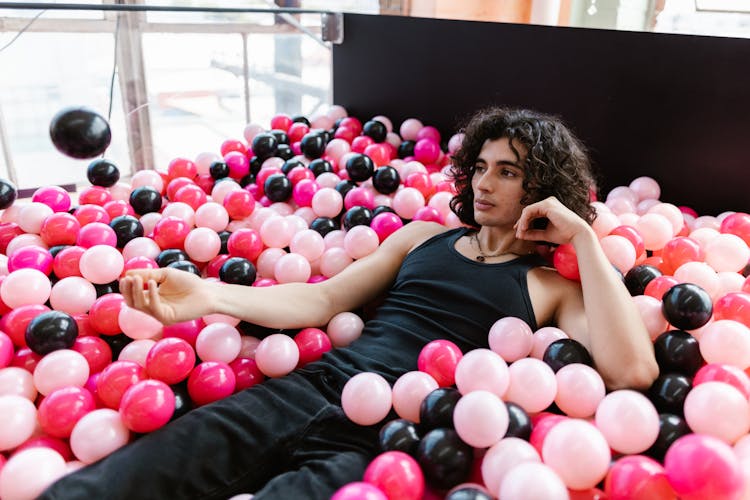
point(687, 306)
point(126, 228)
point(480, 419)
point(532, 385)
point(147, 406)
point(671, 428)
point(482, 369)
point(359, 491)
point(80, 132)
point(60, 368)
point(211, 381)
point(511, 338)
point(501, 458)
point(564, 352)
point(145, 199)
point(51, 331)
point(436, 410)
point(238, 271)
point(637, 278)
point(97, 434)
point(103, 173)
point(565, 261)
point(28, 473)
point(718, 409)
point(439, 358)
point(580, 389)
point(17, 420)
point(396, 474)
point(366, 398)
point(668, 392)
point(277, 355)
point(628, 421)
point(60, 229)
point(399, 435)
point(312, 145)
point(8, 193)
point(445, 460)
point(577, 452)
point(61, 410)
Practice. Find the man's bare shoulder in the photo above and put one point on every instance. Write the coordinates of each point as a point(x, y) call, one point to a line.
point(417, 232)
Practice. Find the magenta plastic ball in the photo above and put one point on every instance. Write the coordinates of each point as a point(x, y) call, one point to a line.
point(359, 196)
point(54, 197)
point(147, 406)
point(304, 192)
point(96, 233)
point(397, 474)
point(359, 491)
point(439, 358)
point(32, 257)
point(211, 381)
point(312, 344)
point(386, 223)
point(170, 360)
point(61, 410)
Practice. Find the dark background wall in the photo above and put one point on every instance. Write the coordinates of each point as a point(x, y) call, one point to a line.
point(674, 107)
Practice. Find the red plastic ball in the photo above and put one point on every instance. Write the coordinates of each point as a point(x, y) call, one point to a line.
point(679, 251)
point(297, 131)
point(182, 167)
point(117, 208)
point(239, 204)
point(59, 445)
point(729, 374)
point(246, 373)
point(380, 154)
point(281, 122)
point(439, 359)
point(421, 182)
point(298, 174)
point(565, 261)
point(140, 262)
point(637, 476)
point(397, 475)
point(104, 314)
point(84, 325)
point(658, 286)
point(170, 360)
point(232, 145)
point(360, 143)
point(66, 261)
point(345, 133)
point(97, 352)
point(170, 232)
point(94, 195)
point(60, 228)
point(8, 231)
point(116, 379)
point(312, 344)
point(214, 265)
point(191, 194)
point(541, 425)
point(176, 184)
point(245, 243)
point(15, 322)
point(210, 381)
point(147, 406)
point(186, 330)
point(91, 213)
point(734, 306)
point(352, 123)
point(25, 358)
point(63, 408)
point(737, 224)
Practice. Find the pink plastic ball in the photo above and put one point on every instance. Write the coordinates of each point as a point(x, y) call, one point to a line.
point(532, 385)
point(360, 241)
point(137, 351)
point(397, 475)
point(218, 342)
point(439, 358)
point(28, 472)
point(502, 457)
point(409, 391)
point(482, 369)
point(32, 216)
point(181, 211)
point(628, 421)
point(61, 410)
point(18, 418)
point(101, 264)
point(6, 350)
point(578, 452)
point(726, 341)
point(650, 310)
point(655, 229)
point(645, 188)
point(25, 287)
point(308, 243)
point(359, 491)
point(277, 232)
point(212, 215)
point(60, 368)
point(147, 406)
point(202, 244)
point(718, 409)
point(407, 201)
point(359, 196)
point(620, 252)
point(140, 247)
point(72, 295)
point(366, 398)
point(170, 360)
point(580, 389)
point(511, 338)
point(410, 129)
point(277, 355)
point(96, 233)
point(480, 419)
point(31, 257)
point(211, 381)
point(54, 197)
point(344, 328)
point(385, 224)
point(333, 261)
point(98, 434)
point(137, 324)
point(532, 481)
point(292, 268)
point(637, 476)
point(727, 252)
point(17, 381)
point(698, 273)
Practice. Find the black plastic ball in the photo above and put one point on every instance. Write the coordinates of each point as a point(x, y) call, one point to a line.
point(406, 149)
point(671, 428)
point(564, 352)
point(116, 343)
point(386, 180)
point(218, 170)
point(313, 145)
point(519, 422)
point(278, 187)
point(687, 306)
point(255, 165)
point(105, 288)
point(126, 228)
point(284, 151)
point(399, 435)
point(291, 164)
point(668, 392)
point(169, 256)
point(320, 166)
point(8, 193)
point(375, 130)
point(102, 173)
point(445, 460)
point(381, 209)
point(359, 167)
point(80, 132)
point(182, 402)
point(300, 119)
point(679, 352)
point(264, 145)
point(185, 265)
point(145, 199)
point(468, 493)
point(51, 331)
point(357, 216)
point(436, 409)
point(281, 137)
point(237, 271)
point(246, 180)
point(324, 225)
point(53, 251)
point(344, 187)
point(638, 277)
point(224, 238)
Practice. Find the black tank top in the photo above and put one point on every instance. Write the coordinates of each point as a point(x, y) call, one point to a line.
point(438, 294)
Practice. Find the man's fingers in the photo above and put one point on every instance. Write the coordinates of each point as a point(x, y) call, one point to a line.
point(158, 274)
point(139, 296)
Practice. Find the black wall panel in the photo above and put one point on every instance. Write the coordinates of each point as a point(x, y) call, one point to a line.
point(675, 107)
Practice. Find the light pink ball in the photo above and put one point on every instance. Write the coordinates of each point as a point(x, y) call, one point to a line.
point(727, 252)
point(308, 243)
point(25, 286)
point(17, 421)
point(266, 262)
point(328, 180)
point(504, 456)
point(98, 434)
point(31, 216)
point(17, 381)
point(393, 139)
point(292, 268)
point(137, 324)
point(277, 355)
point(454, 143)
point(137, 351)
point(532, 481)
point(141, 247)
point(622, 192)
point(60, 368)
point(410, 128)
point(580, 389)
point(212, 215)
point(480, 419)
point(344, 328)
point(248, 346)
point(72, 295)
point(101, 264)
point(366, 398)
point(644, 206)
point(441, 202)
point(204, 160)
point(511, 338)
point(218, 342)
point(327, 202)
point(482, 369)
point(10, 214)
point(336, 112)
point(149, 178)
point(28, 473)
point(729, 282)
point(578, 452)
point(645, 188)
point(120, 191)
point(149, 221)
point(621, 205)
point(282, 208)
point(337, 148)
point(726, 341)
point(718, 409)
point(672, 213)
point(655, 229)
point(543, 337)
point(333, 261)
point(24, 240)
point(360, 241)
point(409, 391)
point(202, 244)
point(298, 222)
point(251, 130)
point(532, 385)
point(703, 235)
point(277, 232)
point(701, 274)
point(707, 221)
point(619, 251)
point(628, 421)
point(221, 189)
point(334, 239)
point(650, 310)
point(407, 201)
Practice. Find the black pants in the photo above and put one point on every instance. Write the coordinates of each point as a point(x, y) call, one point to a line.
point(285, 438)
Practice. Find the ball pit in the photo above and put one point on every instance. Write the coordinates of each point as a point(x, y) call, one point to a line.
point(66, 368)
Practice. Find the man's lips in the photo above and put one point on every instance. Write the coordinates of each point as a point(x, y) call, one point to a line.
point(480, 204)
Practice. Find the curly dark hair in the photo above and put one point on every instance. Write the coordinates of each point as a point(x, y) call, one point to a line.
point(556, 163)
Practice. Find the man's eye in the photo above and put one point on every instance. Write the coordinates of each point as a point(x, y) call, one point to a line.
point(479, 168)
point(508, 173)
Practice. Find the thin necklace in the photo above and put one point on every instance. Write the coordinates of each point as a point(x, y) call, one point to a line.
point(484, 256)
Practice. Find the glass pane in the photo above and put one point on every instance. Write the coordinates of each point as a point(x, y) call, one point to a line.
point(68, 70)
point(57, 14)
